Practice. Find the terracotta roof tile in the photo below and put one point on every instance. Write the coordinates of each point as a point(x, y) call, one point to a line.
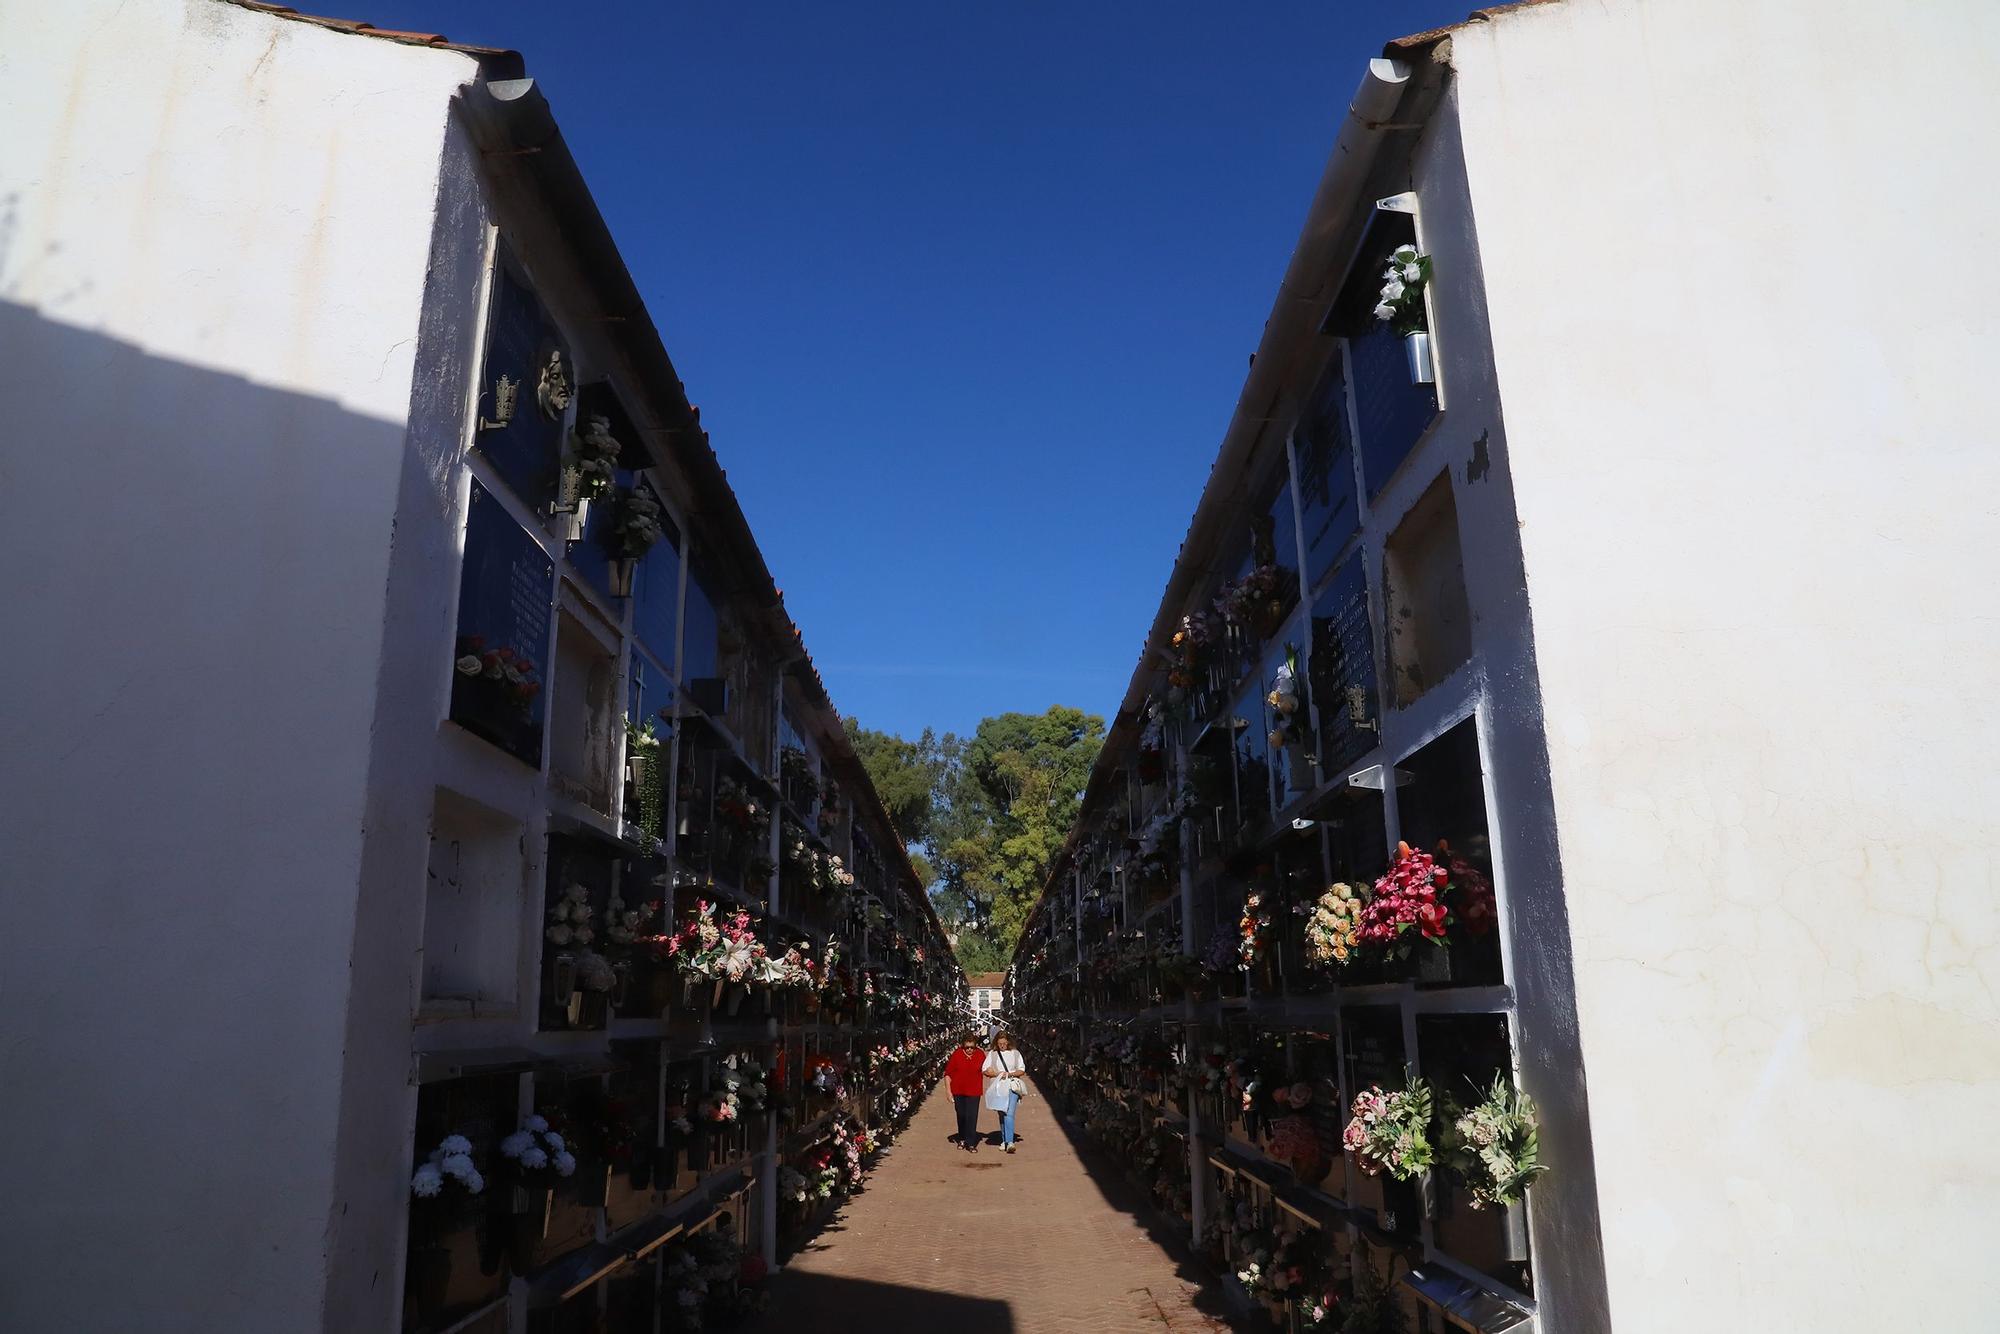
point(435, 40)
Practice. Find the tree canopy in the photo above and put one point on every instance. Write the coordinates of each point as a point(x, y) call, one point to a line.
point(987, 813)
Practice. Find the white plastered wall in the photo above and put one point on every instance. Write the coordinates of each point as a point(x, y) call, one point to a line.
point(1741, 285)
point(214, 232)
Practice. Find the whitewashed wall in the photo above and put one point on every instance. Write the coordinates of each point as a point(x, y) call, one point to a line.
point(1742, 293)
point(214, 232)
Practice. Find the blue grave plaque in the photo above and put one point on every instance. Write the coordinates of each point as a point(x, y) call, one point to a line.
point(525, 391)
point(1342, 669)
point(505, 591)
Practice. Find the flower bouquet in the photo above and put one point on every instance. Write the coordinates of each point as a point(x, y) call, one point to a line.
point(444, 1190)
point(503, 676)
point(720, 949)
point(1401, 306)
point(1256, 936)
point(1492, 1146)
point(537, 1158)
point(1333, 926)
point(646, 760)
point(1254, 604)
point(448, 1173)
point(1390, 1131)
point(1408, 905)
point(1288, 717)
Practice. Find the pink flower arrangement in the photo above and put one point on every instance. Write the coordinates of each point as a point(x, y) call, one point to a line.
point(1409, 898)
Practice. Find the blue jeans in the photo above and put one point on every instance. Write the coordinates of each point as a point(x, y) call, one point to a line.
point(1007, 1118)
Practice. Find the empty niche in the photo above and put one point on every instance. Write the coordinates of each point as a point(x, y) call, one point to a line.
point(582, 729)
point(472, 907)
point(1430, 625)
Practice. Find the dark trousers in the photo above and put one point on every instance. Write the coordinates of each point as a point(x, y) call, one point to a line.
point(968, 1116)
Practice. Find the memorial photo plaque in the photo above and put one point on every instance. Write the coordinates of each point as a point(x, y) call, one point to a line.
point(524, 392)
point(505, 592)
point(1342, 669)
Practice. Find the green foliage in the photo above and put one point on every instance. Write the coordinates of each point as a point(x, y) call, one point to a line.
point(990, 812)
point(905, 773)
point(982, 952)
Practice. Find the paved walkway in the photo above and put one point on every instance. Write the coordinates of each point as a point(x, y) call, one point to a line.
point(1047, 1240)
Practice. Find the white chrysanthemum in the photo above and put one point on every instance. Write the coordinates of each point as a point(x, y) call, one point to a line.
point(455, 1144)
point(1392, 290)
point(457, 1165)
point(475, 1182)
point(470, 665)
point(576, 893)
point(1404, 253)
point(554, 1141)
point(535, 1123)
point(565, 1164)
point(1411, 273)
point(517, 1144)
point(534, 1159)
point(559, 934)
point(427, 1182)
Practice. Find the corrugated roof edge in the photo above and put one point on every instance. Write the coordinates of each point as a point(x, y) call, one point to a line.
point(502, 62)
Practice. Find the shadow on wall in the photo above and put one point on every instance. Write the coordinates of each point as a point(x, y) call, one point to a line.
point(196, 570)
point(855, 1306)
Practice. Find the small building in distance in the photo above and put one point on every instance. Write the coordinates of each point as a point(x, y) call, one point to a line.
point(985, 991)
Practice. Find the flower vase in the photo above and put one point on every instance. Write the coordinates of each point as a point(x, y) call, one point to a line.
point(640, 1173)
point(737, 991)
point(619, 571)
point(1417, 349)
point(529, 1224)
point(649, 784)
point(1515, 1218)
point(593, 1185)
point(430, 1280)
point(1401, 1203)
point(1433, 963)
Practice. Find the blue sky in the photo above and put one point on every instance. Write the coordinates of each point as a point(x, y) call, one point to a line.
point(965, 293)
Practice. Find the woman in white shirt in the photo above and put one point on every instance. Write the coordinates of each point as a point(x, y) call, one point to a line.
point(1005, 1083)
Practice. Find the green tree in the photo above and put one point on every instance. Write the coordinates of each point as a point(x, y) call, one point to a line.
point(1012, 793)
point(905, 773)
point(982, 952)
point(985, 815)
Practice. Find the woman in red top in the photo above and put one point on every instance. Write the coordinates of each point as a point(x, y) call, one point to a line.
point(966, 1073)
